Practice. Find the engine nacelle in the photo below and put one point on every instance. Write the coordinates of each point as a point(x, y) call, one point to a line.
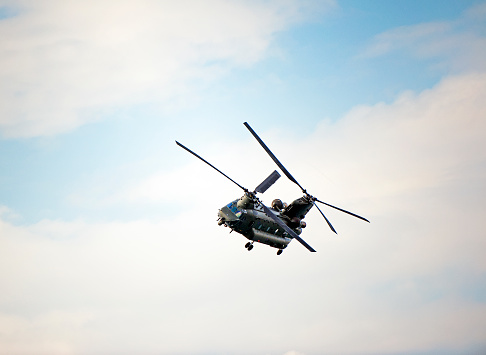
point(277, 204)
point(245, 202)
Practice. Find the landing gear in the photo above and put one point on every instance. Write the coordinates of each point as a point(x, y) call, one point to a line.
point(249, 246)
point(279, 251)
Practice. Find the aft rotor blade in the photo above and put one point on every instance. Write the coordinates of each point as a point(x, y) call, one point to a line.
point(294, 235)
point(212, 166)
point(329, 223)
point(269, 181)
point(340, 209)
point(285, 171)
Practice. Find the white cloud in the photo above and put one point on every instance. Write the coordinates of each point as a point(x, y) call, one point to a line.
point(422, 140)
point(49, 333)
point(63, 64)
point(409, 281)
point(7, 214)
point(456, 46)
point(416, 168)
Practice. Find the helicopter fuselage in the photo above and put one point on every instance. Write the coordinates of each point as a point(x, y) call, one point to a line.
point(248, 218)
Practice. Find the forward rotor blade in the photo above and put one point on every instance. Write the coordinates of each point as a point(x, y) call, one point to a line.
point(340, 209)
point(301, 241)
point(329, 223)
point(286, 228)
point(269, 181)
point(212, 166)
point(285, 171)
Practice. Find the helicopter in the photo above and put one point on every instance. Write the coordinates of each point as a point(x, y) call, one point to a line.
point(276, 226)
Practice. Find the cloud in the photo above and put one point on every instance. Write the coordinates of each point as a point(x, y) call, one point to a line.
point(455, 46)
point(431, 137)
point(62, 279)
point(63, 64)
point(412, 280)
point(422, 160)
point(41, 334)
point(7, 214)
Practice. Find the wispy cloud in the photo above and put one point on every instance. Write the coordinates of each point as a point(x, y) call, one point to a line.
point(62, 64)
point(456, 46)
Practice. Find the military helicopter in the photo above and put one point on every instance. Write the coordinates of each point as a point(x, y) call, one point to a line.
point(275, 226)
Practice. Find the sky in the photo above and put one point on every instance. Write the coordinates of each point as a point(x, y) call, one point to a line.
point(108, 236)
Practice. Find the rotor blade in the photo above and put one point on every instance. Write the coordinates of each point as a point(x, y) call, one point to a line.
point(301, 241)
point(329, 223)
point(269, 181)
point(285, 171)
point(212, 166)
point(286, 228)
point(340, 209)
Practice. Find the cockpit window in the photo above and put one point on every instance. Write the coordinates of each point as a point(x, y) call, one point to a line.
point(233, 208)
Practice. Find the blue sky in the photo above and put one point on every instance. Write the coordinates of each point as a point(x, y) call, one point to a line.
point(108, 229)
point(312, 72)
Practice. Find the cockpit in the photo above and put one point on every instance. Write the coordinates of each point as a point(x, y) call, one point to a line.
point(233, 207)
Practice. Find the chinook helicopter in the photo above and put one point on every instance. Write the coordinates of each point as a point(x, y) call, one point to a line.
point(275, 226)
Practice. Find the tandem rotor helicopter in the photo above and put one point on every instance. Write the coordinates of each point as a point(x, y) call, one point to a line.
point(275, 226)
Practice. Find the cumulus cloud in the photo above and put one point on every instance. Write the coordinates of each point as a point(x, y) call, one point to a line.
point(409, 281)
point(426, 139)
point(66, 63)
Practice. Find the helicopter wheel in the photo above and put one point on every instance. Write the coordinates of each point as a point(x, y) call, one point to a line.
point(250, 247)
point(247, 245)
point(279, 251)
